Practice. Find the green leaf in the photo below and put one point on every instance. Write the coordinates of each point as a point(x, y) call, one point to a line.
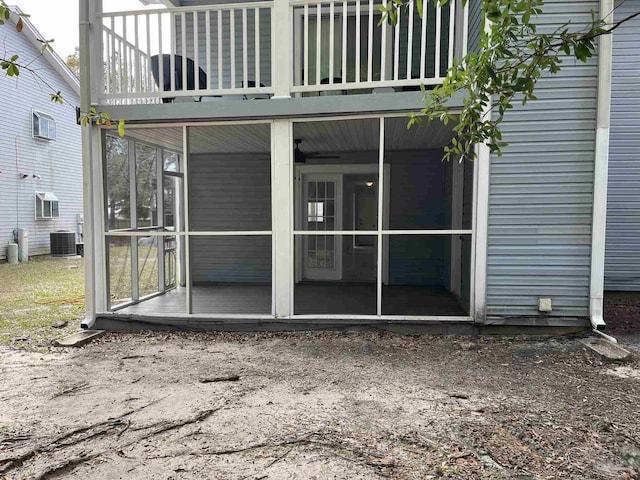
point(121, 127)
point(419, 5)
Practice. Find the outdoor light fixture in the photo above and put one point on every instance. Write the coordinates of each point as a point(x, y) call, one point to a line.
point(24, 175)
point(36, 176)
point(370, 183)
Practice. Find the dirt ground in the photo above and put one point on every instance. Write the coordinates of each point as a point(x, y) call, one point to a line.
point(622, 314)
point(318, 406)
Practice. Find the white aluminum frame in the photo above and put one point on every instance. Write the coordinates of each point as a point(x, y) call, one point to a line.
point(383, 196)
point(283, 232)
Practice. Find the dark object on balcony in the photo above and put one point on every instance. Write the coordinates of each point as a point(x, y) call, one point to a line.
point(336, 81)
point(178, 75)
point(252, 84)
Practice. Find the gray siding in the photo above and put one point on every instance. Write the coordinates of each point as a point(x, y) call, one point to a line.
point(57, 162)
point(541, 190)
point(418, 201)
point(475, 24)
point(230, 193)
point(622, 261)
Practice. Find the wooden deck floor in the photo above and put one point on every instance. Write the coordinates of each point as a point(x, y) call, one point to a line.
point(315, 298)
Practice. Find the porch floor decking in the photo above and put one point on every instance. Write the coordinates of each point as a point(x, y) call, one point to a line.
point(310, 299)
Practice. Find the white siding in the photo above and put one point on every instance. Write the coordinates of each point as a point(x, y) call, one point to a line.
point(622, 260)
point(541, 190)
point(57, 162)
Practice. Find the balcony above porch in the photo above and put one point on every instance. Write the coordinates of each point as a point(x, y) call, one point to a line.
point(257, 50)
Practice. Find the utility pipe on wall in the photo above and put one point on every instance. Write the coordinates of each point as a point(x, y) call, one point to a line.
point(601, 166)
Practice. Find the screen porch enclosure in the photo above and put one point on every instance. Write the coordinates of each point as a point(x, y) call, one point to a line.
point(341, 218)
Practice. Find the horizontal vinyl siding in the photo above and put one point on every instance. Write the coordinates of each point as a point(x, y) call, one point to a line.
point(622, 257)
point(230, 259)
point(418, 200)
point(230, 193)
point(541, 190)
point(475, 24)
point(57, 162)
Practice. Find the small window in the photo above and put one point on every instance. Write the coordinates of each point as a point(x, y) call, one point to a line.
point(47, 205)
point(315, 212)
point(171, 161)
point(44, 126)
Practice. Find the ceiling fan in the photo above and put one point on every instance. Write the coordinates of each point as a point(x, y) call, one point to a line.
point(301, 157)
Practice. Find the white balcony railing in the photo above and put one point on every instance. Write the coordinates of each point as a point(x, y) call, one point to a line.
point(336, 46)
point(339, 45)
point(208, 51)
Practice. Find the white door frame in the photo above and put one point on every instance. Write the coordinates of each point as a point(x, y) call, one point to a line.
point(341, 169)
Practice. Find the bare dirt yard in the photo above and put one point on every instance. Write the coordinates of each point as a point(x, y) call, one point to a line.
point(322, 405)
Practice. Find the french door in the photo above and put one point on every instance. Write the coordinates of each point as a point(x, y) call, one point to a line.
point(322, 212)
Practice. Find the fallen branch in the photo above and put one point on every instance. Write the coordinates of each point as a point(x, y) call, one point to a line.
point(228, 378)
point(65, 466)
point(277, 459)
point(74, 389)
point(461, 396)
point(164, 427)
point(131, 357)
point(100, 429)
point(96, 430)
point(306, 439)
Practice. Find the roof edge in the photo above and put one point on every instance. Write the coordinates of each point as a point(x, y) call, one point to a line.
point(35, 37)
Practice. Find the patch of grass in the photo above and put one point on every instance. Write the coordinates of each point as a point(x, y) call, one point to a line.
point(35, 295)
point(120, 269)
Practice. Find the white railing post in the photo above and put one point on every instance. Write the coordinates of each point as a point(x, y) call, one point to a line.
point(96, 53)
point(280, 49)
point(461, 29)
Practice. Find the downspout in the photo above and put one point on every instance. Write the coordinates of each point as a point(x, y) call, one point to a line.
point(601, 166)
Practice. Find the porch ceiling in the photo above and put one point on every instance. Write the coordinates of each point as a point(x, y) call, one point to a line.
point(363, 135)
point(322, 136)
point(209, 139)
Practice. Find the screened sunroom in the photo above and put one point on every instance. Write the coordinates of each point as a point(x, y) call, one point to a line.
point(341, 218)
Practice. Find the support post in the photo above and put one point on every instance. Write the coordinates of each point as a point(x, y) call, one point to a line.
point(480, 250)
point(282, 216)
point(92, 230)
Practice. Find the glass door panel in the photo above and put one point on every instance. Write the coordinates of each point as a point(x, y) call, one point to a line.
point(321, 199)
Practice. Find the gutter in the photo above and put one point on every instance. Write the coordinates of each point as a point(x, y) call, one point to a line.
point(600, 180)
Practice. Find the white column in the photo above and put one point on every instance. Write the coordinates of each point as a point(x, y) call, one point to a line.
point(94, 287)
point(479, 252)
point(281, 53)
point(481, 232)
point(282, 215)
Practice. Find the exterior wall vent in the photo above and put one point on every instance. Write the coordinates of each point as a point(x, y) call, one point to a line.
point(62, 243)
